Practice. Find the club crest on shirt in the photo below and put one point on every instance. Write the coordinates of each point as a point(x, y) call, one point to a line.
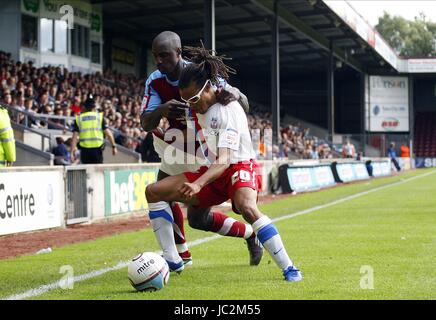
point(214, 123)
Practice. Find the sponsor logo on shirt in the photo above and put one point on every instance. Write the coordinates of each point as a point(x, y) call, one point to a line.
point(231, 137)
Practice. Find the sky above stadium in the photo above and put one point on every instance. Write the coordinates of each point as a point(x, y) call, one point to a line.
point(371, 10)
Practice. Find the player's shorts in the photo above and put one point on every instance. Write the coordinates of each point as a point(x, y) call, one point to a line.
point(175, 161)
point(239, 175)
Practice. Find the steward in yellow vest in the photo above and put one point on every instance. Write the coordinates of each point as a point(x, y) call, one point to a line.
point(7, 142)
point(90, 128)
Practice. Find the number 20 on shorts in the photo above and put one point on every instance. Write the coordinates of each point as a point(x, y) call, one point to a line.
point(243, 176)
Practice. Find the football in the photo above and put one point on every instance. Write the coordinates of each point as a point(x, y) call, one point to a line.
point(148, 272)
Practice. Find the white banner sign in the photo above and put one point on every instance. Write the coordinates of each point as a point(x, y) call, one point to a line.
point(388, 102)
point(380, 169)
point(345, 172)
point(421, 65)
point(361, 171)
point(30, 201)
point(300, 179)
point(324, 176)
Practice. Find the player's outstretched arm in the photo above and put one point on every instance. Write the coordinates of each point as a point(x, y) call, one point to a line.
point(150, 120)
point(225, 96)
point(172, 109)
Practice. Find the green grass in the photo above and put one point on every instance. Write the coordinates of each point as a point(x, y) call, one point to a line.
point(392, 230)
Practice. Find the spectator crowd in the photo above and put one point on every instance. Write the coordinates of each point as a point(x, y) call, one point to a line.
point(296, 141)
point(54, 91)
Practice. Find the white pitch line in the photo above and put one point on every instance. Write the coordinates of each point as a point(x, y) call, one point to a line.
point(352, 197)
point(55, 285)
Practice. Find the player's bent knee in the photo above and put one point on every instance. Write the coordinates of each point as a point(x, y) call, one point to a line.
point(246, 206)
point(248, 209)
point(151, 194)
point(193, 222)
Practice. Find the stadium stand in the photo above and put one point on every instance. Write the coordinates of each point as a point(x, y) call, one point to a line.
point(297, 142)
point(56, 92)
point(425, 134)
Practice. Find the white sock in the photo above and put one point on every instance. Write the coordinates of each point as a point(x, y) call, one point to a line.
point(270, 238)
point(182, 247)
point(161, 217)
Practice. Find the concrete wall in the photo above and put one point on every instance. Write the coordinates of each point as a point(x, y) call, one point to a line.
point(124, 155)
point(96, 183)
point(29, 156)
point(107, 184)
point(10, 27)
point(97, 192)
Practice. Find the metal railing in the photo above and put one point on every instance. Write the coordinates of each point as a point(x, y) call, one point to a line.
point(50, 119)
point(376, 144)
point(125, 154)
point(76, 195)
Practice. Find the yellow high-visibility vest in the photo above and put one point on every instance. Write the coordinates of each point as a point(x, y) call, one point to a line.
point(7, 142)
point(90, 129)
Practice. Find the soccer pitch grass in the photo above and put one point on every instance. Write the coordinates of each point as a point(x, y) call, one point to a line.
point(392, 231)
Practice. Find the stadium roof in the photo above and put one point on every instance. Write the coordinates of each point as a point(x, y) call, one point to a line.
point(308, 29)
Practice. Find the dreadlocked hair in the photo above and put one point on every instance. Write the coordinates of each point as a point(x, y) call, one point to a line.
point(206, 65)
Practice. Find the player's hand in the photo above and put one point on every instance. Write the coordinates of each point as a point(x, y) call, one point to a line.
point(188, 190)
point(225, 97)
point(174, 109)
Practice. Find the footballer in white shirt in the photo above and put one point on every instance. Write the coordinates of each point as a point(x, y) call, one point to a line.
point(232, 174)
point(177, 149)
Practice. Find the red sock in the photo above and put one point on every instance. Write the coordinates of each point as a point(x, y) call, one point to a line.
point(227, 226)
point(179, 222)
